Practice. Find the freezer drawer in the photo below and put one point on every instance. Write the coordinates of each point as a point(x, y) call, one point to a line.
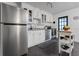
point(11, 14)
point(14, 40)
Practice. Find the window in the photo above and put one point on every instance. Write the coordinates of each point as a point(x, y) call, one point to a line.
point(62, 21)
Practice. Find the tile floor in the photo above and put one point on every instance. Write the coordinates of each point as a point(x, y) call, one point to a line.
point(50, 48)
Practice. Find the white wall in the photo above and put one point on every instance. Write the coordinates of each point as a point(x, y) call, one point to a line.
point(74, 24)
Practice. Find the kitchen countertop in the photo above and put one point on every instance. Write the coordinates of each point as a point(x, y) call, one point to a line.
point(36, 29)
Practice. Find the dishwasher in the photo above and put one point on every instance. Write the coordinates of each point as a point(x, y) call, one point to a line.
point(48, 34)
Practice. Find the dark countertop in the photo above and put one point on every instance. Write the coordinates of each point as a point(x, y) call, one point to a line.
point(35, 29)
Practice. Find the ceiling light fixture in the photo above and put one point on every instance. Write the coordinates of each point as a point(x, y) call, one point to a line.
point(49, 4)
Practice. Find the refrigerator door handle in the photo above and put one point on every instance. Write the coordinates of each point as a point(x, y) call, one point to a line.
point(14, 24)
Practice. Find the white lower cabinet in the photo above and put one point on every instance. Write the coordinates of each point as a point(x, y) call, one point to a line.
point(30, 39)
point(36, 37)
point(39, 36)
point(42, 36)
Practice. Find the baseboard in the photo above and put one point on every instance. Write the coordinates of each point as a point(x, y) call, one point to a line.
point(24, 54)
point(76, 41)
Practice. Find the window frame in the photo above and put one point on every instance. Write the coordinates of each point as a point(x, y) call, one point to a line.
point(62, 21)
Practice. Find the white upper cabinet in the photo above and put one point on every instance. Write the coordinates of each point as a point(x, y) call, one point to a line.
point(36, 13)
point(43, 16)
point(25, 5)
point(29, 12)
point(49, 17)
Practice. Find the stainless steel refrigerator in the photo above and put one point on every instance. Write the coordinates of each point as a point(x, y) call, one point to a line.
point(13, 31)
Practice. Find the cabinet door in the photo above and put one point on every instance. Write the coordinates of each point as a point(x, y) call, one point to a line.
point(36, 37)
point(39, 37)
point(33, 38)
point(36, 13)
point(42, 36)
point(49, 17)
point(30, 39)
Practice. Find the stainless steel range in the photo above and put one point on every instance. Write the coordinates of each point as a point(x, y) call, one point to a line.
point(13, 31)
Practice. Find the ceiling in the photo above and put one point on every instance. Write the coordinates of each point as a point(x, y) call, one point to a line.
point(55, 7)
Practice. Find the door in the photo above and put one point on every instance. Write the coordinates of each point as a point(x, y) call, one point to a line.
point(11, 14)
point(14, 40)
point(0, 12)
point(1, 40)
